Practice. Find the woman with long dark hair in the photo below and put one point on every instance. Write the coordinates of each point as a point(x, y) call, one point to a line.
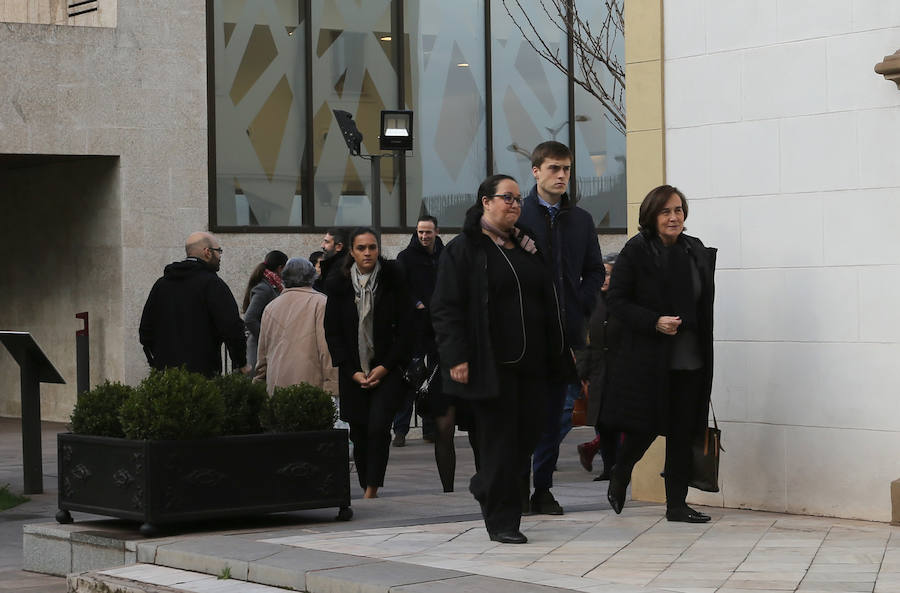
point(264, 285)
point(500, 338)
point(662, 293)
point(368, 330)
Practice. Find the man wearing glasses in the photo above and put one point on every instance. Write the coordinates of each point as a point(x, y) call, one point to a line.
point(191, 312)
point(567, 236)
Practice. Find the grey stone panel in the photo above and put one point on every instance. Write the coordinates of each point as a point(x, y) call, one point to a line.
point(377, 577)
point(290, 567)
point(91, 557)
point(476, 584)
point(47, 555)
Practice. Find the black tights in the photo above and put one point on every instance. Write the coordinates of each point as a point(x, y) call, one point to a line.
point(445, 450)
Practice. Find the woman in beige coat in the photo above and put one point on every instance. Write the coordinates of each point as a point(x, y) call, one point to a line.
point(292, 347)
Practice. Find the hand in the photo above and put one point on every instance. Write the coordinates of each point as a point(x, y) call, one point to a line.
point(246, 369)
point(460, 373)
point(419, 305)
point(360, 377)
point(374, 378)
point(668, 325)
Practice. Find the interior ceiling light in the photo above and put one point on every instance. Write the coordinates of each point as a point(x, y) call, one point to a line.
point(463, 64)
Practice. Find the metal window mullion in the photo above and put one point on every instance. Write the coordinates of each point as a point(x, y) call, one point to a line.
point(570, 46)
point(308, 218)
point(488, 93)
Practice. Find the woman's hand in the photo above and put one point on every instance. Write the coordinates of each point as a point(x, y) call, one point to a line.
point(360, 377)
point(460, 373)
point(668, 325)
point(375, 377)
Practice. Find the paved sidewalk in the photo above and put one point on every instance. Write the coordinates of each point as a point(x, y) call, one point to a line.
point(416, 538)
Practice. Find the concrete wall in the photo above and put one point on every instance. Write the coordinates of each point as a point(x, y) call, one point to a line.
point(137, 92)
point(60, 236)
point(788, 145)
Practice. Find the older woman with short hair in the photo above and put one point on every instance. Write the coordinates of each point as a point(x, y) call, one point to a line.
point(662, 293)
point(292, 346)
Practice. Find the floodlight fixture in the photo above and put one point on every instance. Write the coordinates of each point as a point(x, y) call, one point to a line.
point(352, 136)
point(396, 130)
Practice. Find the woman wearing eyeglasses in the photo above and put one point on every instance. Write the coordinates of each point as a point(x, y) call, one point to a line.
point(499, 335)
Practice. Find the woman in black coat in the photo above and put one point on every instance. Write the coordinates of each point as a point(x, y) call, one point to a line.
point(662, 293)
point(367, 327)
point(500, 338)
point(264, 285)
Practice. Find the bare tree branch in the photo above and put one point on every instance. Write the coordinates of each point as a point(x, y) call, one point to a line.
point(597, 69)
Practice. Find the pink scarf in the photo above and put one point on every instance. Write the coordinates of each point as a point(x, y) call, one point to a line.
point(514, 235)
point(274, 280)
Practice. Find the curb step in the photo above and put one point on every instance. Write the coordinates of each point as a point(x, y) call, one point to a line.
point(149, 578)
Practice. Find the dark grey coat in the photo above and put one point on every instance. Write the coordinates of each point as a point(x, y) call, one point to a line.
point(260, 295)
point(638, 387)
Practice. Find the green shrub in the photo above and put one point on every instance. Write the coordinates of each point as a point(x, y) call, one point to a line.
point(244, 401)
point(298, 408)
point(97, 411)
point(174, 404)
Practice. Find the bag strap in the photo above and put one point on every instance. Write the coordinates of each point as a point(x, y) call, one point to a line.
point(716, 424)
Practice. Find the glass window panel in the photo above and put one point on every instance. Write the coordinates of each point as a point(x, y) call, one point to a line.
point(530, 100)
point(260, 124)
point(600, 151)
point(446, 49)
point(353, 71)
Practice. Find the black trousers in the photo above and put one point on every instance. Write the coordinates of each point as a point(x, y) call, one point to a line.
point(684, 399)
point(372, 438)
point(507, 428)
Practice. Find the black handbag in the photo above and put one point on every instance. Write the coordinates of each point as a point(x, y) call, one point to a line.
point(705, 458)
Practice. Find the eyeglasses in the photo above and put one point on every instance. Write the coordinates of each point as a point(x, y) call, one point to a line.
point(216, 249)
point(509, 199)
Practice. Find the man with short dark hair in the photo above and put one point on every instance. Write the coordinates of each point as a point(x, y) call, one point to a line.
point(191, 312)
point(419, 263)
point(567, 236)
point(334, 253)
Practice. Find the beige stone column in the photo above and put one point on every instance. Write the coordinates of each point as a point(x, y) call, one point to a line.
point(646, 158)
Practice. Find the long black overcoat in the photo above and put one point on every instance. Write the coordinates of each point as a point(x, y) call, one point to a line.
point(392, 336)
point(638, 389)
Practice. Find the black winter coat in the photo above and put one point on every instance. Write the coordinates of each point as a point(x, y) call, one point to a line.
point(189, 314)
point(570, 245)
point(595, 360)
point(459, 314)
point(420, 271)
point(638, 389)
point(392, 333)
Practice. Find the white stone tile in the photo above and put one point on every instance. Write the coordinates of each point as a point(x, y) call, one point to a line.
point(687, 160)
point(808, 384)
point(685, 24)
point(744, 158)
point(852, 82)
point(786, 304)
point(717, 223)
point(729, 389)
point(781, 231)
point(158, 575)
point(719, 77)
point(874, 15)
point(784, 80)
point(738, 24)
point(860, 227)
point(751, 470)
point(859, 489)
point(879, 147)
point(805, 19)
point(819, 153)
point(879, 293)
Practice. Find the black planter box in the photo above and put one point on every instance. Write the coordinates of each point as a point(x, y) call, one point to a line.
point(160, 482)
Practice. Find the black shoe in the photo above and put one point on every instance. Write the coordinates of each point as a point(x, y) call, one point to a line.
point(602, 477)
point(615, 494)
point(399, 440)
point(428, 438)
point(543, 503)
point(509, 537)
point(686, 515)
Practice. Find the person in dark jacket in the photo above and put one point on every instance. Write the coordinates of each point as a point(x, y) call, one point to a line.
point(604, 335)
point(368, 330)
point(264, 285)
point(190, 312)
point(568, 237)
point(334, 257)
point(662, 292)
point(419, 263)
point(500, 339)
